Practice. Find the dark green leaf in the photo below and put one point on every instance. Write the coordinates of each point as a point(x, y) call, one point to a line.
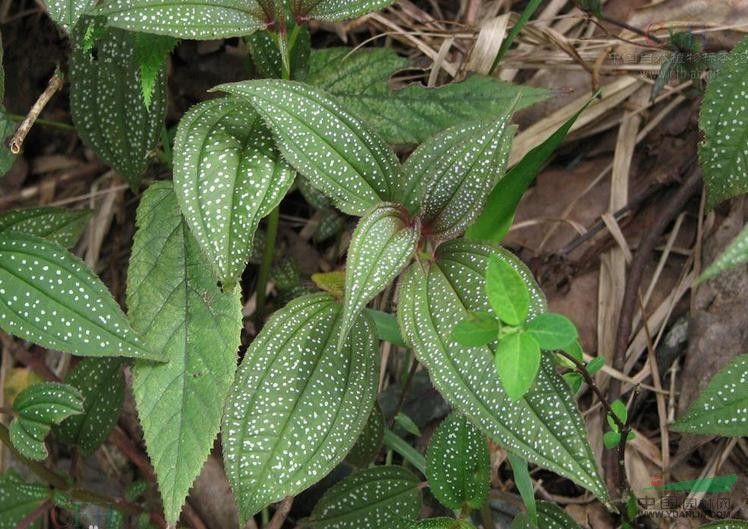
point(18, 499)
point(263, 45)
point(387, 328)
point(574, 380)
point(401, 446)
point(63, 226)
point(523, 481)
point(67, 12)
point(507, 291)
point(734, 255)
point(550, 516)
point(478, 328)
point(517, 362)
point(442, 523)
point(333, 10)
point(370, 441)
point(552, 331)
point(407, 424)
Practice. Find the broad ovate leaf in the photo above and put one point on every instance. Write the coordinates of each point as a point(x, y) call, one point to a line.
point(457, 464)
point(478, 328)
point(369, 441)
point(506, 291)
point(722, 408)
point(335, 151)
point(298, 403)
point(60, 225)
point(734, 255)
point(49, 296)
point(227, 176)
point(553, 331)
point(67, 12)
point(383, 244)
point(545, 427)
point(18, 499)
point(517, 360)
point(376, 498)
point(175, 303)
point(334, 10)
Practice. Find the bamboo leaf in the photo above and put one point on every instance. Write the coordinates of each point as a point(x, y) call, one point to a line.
point(63, 226)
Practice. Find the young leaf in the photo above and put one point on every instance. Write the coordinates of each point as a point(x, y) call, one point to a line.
point(18, 499)
point(36, 409)
point(507, 291)
point(595, 365)
point(334, 10)
point(49, 297)
point(722, 408)
point(544, 427)
point(319, 397)
point(407, 424)
point(723, 116)
point(387, 328)
point(175, 303)
point(523, 482)
point(442, 523)
point(370, 441)
point(151, 52)
point(457, 464)
point(101, 381)
point(63, 226)
point(620, 411)
point(550, 516)
point(517, 362)
point(376, 498)
point(478, 328)
point(67, 12)
point(733, 256)
point(552, 331)
point(382, 245)
point(227, 177)
point(335, 151)
point(611, 439)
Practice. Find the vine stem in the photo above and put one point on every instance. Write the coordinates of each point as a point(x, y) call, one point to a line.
point(54, 85)
point(267, 262)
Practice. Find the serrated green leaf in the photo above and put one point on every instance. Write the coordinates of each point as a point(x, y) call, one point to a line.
point(517, 362)
point(67, 12)
point(63, 226)
point(334, 10)
point(734, 255)
point(523, 482)
point(266, 55)
point(545, 427)
point(106, 101)
point(36, 409)
point(369, 441)
point(479, 328)
point(49, 296)
point(457, 464)
point(227, 177)
point(726, 524)
point(552, 331)
point(101, 381)
point(175, 303)
point(376, 498)
point(723, 118)
point(611, 439)
point(550, 516)
point(507, 291)
point(151, 52)
point(319, 397)
point(722, 408)
point(442, 523)
point(18, 499)
point(325, 143)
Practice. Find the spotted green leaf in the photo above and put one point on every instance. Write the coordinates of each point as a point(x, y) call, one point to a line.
point(101, 381)
point(382, 245)
point(507, 291)
point(227, 176)
point(18, 499)
point(722, 408)
point(517, 362)
point(36, 409)
point(107, 104)
point(298, 403)
point(376, 498)
point(49, 296)
point(369, 441)
point(175, 303)
point(734, 255)
point(196, 19)
point(266, 55)
point(478, 328)
point(523, 482)
point(325, 143)
point(550, 516)
point(552, 331)
point(67, 12)
point(63, 226)
point(333, 10)
point(545, 427)
point(726, 524)
point(457, 464)
point(442, 523)
point(724, 121)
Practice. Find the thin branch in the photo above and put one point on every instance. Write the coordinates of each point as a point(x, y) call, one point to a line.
point(281, 513)
point(54, 85)
point(31, 517)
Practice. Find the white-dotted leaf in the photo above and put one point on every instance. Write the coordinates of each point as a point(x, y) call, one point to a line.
point(63, 226)
point(734, 255)
point(550, 516)
point(442, 523)
point(334, 150)
point(194, 19)
point(545, 426)
point(724, 121)
point(333, 10)
point(175, 303)
point(49, 296)
point(227, 176)
point(376, 498)
point(18, 499)
point(726, 524)
point(106, 100)
point(722, 408)
point(382, 245)
point(457, 464)
point(67, 12)
point(298, 403)
point(369, 441)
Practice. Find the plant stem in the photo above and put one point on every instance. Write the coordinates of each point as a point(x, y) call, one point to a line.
point(267, 263)
point(281, 513)
point(55, 84)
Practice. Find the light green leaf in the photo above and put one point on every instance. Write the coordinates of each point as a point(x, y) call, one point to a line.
point(49, 296)
point(442, 523)
point(507, 291)
point(457, 464)
point(18, 499)
point(67, 12)
point(595, 365)
point(523, 482)
point(479, 328)
point(318, 396)
point(227, 177)
point(387, 328)
point(334, 150)
point(196, 19)
point(151, 52)
point(545, 427)
point(611, 439)
point(722, 408)
point(734, 255)
point(36, 409)
point(63, 226)
point(377, 498)
point(620, 411)
point(101, 381)
point(552, 331)
point(550, 516)
point(334, 10)
point(407, 424)
point(370, 441)
point(517, 362)
point(382, 245)
point(175, 303)
point(723, 119)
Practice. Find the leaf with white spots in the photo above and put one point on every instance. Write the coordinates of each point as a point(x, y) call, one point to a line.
point(726, 524)
point(724, 121)
point(67, 12)
point(335, 151)
point(175, 304)
point(722, 408)
point(734, 255)
point(60, 225)
point(458, 467)
point(334, 10)
point(36, 409)
point(382, 245)
point(101, 381)
point(298, 403)
point(48, 296)
point(106, 100)
point(448, 178)
point(195, 19)
point(442, 523)
point(369, 441)
point(550, 516)
point(18, 499)
point(376, 498)
point(227, 177)
point(545, 426)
